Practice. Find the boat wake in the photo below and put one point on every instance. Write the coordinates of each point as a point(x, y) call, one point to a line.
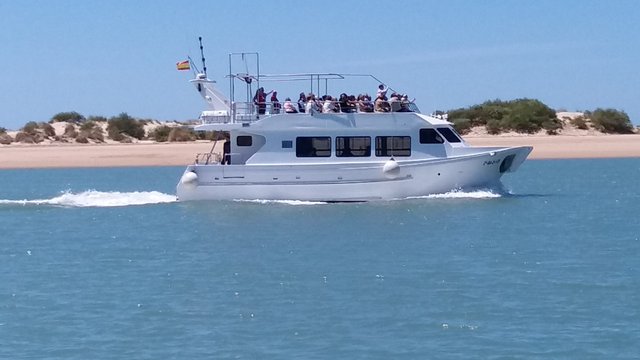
point(454, 194)
point(93, 198)
point(284, 202)
point(459, 194)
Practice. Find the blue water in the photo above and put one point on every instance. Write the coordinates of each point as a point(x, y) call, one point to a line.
point(103, 264)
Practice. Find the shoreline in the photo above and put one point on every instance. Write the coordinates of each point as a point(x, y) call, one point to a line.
point(20, 156)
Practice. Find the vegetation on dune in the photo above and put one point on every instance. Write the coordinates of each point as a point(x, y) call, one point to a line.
point(98, 119)
point(527, 116)
point(181, 134)
point(5, 139)
point(70, 131)
point(30, 128)
point(68, 116)
point(90, 130)
point(530, 116)
point(579, 123)
point(48, 130)
point(122, 126)
point(161, 133)
point(610, 121)
point(33, 133)
point(521, 115)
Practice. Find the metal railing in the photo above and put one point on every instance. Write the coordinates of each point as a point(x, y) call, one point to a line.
point(246, 112)
point(208, 158)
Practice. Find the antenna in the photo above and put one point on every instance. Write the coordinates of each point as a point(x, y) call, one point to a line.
point(204, 67)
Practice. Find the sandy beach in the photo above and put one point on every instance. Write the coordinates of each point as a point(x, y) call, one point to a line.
point(100, 155)
point(568, 146)
point(18, 156)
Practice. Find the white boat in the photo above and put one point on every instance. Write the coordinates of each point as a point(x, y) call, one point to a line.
point(332, 157)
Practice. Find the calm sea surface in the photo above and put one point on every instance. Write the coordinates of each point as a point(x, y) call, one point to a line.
point(104, 264)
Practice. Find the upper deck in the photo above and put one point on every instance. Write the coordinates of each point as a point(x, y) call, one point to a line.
point(249, 102)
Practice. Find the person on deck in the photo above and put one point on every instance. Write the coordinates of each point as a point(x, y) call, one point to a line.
point(288, 106)
point(302, 101)
point(381, 104)
point(311, 105)
point(275, 103)
point(260, 100)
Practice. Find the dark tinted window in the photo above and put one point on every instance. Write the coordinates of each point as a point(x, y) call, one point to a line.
point(244, 140)
point(353, 146)
point(449, 135)
point(430, 136)
point(313, 146)
point(393, 146)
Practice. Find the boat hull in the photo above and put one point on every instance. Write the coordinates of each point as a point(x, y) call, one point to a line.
point(341, 182)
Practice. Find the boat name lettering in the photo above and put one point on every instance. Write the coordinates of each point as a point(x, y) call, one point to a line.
point(491, 162)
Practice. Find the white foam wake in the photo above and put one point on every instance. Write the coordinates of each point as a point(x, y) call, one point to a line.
point(459, 194)
point(285, 202)
point(93, 198)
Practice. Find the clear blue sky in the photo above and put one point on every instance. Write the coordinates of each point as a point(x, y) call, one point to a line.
point(107, 57)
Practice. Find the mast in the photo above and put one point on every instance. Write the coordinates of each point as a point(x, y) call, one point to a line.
point(204, 67)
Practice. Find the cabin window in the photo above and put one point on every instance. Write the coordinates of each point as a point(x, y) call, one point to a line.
point(244, 140)
point(287, 144)
point(449, 134)
point(353, 146)
point(430, 136)
point(313, 146)
point(393, 146)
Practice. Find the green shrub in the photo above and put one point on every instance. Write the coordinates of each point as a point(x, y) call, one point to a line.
point(527, 116)
point(209, 135)
point(462, 126)
point(611, 121)
point(493, 127)
point(82, 138)
point(69, 116)
point(48, 129)
point(161, 133)
point(97, 134)
point(88, 125)
point(70, 131)
point(579, 122)
point(115, 134)
point(521, 115)
point(25, 138)
point(552, 126)
point(3, 130)
point(125, 124)
point(5, 139)
point(30, 128)
point(181, 134)
point(97, 118)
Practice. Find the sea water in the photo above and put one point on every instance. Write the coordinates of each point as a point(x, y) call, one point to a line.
point(104, 264)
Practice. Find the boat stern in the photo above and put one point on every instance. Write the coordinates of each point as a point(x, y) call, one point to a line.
point(187, 185)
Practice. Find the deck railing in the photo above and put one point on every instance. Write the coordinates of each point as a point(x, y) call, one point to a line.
point(208, 158)
point(246, 112)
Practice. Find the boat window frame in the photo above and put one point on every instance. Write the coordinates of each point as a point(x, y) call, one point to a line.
point(385, 151)
point(241, 138)
point(312, 149)
point(431, 136)
point(350, 150)
point(449, 134)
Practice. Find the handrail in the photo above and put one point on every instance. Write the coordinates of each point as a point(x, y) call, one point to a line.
point(208, 158)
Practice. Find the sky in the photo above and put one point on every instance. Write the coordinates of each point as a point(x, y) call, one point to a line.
point(108, 57)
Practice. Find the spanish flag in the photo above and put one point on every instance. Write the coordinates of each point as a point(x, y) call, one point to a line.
point(183, 65)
